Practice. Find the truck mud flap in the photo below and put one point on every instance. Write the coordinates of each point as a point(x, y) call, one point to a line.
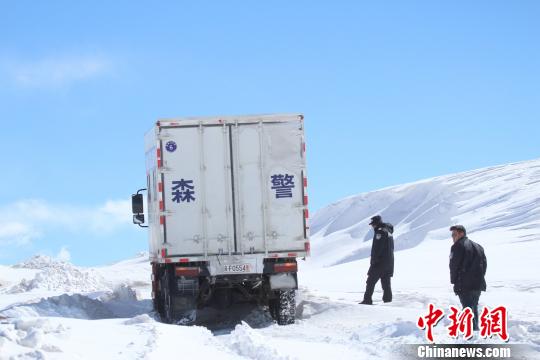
point(283, 281)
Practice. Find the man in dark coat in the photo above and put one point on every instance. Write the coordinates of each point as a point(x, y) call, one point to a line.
point(468, 265)
point(382, 260)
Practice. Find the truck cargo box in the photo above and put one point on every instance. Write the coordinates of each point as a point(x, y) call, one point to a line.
point(227, 186)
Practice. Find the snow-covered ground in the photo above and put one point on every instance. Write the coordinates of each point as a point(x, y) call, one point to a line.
point(54, 310)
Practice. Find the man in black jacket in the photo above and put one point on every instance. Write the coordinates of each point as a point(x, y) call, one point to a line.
point(468, 265)
point(382, 260)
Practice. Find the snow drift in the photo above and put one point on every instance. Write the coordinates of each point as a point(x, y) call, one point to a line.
point(506, 196)
point(51, 309)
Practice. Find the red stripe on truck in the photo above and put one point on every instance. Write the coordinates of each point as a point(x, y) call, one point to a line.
point(306, 213)
point(160, 187)
point(162, 220)
point(161, 205)
point(305, 200)
point(305, 182)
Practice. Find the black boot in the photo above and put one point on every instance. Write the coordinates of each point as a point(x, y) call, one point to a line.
point(387, 289)
point(370, 287)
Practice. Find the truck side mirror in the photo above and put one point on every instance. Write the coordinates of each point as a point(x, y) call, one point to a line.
point(137, 204)
point(138, 219)
point(137, 208)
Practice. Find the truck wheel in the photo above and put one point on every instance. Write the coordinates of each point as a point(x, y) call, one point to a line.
point(177, 309)
point(223, 298)
point(166, 299)
point(286, 307)
point(273, 308)
point(157, 301)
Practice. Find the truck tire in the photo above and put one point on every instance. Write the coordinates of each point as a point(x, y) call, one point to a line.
point(223, 298)
point(166, 314)
point(286, 307)
point(157, 301)
point(273, 308)
point(177, 309)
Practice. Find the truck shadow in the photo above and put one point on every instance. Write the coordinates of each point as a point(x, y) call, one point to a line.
point(223, 321)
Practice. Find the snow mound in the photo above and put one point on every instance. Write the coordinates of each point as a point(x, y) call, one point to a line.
point(59, 276)
point(135, 272)
point(500, 197)
point(399, 331)
point(121, 293)
point(122, 303)
point(248, 343)
point(29, 334)
point(72, 306)
point(139, 319)
point(36, 262)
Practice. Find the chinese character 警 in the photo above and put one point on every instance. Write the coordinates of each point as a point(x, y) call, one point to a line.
point(283, 185)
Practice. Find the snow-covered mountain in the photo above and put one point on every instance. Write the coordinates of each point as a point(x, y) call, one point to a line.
point(51, 309)
point(505, 198)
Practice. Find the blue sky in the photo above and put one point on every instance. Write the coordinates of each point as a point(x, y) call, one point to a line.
point(392, 92)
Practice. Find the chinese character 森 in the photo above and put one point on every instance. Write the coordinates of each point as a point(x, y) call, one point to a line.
point(183, 191)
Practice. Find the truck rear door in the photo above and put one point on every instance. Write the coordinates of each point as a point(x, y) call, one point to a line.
point(268, 168)
point(197, 190)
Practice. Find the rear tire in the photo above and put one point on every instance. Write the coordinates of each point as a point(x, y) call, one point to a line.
point(223, 298)
point(180, 310)
point(273, 308)
point(286, 307)
point(166, 299)
point(157, 300)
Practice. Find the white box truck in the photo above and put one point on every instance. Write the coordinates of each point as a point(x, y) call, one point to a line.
point(226, 212)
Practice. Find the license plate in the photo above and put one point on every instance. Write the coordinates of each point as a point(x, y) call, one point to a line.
point(239, 268)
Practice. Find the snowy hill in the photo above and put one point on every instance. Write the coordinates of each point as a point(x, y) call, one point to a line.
point(505, 198)
point(51, 309)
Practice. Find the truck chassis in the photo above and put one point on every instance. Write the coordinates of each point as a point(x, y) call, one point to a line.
point(180, 289)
